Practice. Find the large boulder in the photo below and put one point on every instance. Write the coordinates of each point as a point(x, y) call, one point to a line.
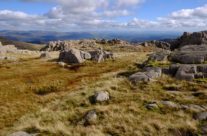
point(189, 57)
point(100, 55)
point(74, 56)
point(186, 72)
point(159, 56)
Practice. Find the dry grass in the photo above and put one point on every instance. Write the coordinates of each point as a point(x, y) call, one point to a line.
point(20, 82)
point(59, 112)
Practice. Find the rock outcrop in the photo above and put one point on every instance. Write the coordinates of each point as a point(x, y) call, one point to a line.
point(8, 49)
point(112, 42)
point(158, 44)
point(66, 45)
point(196, 38)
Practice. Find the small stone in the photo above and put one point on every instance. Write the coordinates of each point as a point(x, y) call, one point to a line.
point(152, 106)
point(90, 117)
point(101, 96)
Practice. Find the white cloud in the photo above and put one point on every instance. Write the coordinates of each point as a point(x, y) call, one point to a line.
point(100, 14)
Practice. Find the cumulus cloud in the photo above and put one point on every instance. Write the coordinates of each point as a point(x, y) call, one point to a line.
point(99, 14)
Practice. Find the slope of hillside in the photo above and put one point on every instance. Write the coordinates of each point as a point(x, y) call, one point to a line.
point(20, 45)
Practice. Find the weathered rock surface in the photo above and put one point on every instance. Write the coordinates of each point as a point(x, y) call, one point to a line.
point(101, 96)
point(188, 72)
point(196, 38)
point(190, 57)
point(66, 45)
point(100, 55)
point(73, 56)
point(159, 56)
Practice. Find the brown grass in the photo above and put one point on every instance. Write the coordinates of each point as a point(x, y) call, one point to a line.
point(21, 83)
point(60, 112)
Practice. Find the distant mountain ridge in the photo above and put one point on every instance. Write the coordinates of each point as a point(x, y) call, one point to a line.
point(40, 37)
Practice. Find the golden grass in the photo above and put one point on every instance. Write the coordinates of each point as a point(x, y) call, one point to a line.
point(60, 112)
point(20, 80)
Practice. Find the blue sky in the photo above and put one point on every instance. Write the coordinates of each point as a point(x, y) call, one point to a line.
point(81, 15)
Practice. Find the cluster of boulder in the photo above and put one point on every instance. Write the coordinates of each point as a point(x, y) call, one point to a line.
point(158, 44)
point(73, 52)
point(65, 45)
point(112, 42)
point(75, 56)
point(188, 59)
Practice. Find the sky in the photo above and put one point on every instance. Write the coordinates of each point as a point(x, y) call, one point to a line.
point(103, 15)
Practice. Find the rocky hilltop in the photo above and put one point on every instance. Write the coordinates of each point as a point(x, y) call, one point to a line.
point(196, 38)
point(105, 87)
